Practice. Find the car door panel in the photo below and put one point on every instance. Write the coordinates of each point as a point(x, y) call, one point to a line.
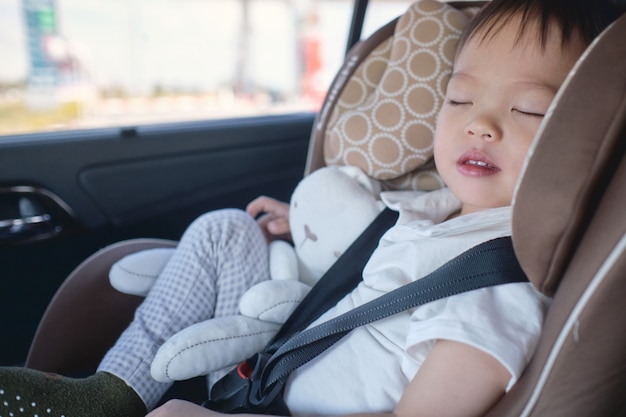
point(74, 167)
point(102, 186)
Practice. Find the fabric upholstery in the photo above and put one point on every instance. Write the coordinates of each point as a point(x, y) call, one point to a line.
point(382, 117)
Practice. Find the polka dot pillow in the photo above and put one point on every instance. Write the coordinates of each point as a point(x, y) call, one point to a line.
point(383, 119)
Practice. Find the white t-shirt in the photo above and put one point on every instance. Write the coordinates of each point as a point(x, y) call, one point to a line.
point(368, 370)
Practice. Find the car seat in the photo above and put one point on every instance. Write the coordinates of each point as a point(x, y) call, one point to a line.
point(569, 232)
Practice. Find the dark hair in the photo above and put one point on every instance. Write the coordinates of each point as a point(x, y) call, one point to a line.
point(586, 17)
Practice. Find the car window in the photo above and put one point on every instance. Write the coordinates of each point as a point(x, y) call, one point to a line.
point(380, 12)
point(74, 64)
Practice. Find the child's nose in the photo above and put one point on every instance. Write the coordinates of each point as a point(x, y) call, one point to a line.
point(483, 127)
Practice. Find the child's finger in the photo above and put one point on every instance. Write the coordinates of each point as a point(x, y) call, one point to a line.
point(269, 205)
point(278, 226)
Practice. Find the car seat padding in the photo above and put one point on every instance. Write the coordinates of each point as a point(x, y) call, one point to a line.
point(575, 151)
point(381, 109)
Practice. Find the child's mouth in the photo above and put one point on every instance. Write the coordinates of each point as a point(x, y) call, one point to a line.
point(479, 163)
point(475, 164)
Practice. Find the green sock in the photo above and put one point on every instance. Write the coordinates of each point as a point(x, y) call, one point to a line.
point(29, 393)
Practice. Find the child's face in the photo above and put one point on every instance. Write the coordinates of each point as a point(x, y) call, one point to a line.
point(496, 99)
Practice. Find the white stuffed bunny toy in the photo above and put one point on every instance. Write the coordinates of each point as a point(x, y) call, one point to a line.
point(328, 210)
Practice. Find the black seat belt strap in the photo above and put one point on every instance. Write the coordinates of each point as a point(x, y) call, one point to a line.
point(490, 263)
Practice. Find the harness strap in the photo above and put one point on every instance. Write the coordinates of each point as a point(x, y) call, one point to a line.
point(488, 264)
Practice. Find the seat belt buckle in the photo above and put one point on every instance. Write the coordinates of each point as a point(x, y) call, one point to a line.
point(230, 392)
point(239, 390)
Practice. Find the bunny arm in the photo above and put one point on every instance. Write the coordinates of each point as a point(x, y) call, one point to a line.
point(272, 301)
point(209, 346)
point(217, 343)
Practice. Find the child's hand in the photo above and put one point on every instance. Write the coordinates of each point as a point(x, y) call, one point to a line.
point(274, 219)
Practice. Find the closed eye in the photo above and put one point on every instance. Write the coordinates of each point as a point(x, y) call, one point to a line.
point(458, 103)
point(527, 113)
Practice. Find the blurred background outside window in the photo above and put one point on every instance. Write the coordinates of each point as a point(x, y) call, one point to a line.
point(76, 64)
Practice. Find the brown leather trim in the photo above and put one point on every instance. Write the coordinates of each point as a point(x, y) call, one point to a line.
point(588, 375)
point(582, 139)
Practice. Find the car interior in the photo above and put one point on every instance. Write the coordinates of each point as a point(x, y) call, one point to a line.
point(569, 231)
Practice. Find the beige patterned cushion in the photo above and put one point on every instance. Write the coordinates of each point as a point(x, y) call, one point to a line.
point(384, 118)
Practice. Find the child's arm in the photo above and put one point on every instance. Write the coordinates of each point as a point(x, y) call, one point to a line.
point(274, 219)
point(456, 379)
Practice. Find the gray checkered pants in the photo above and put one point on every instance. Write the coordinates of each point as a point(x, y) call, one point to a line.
point(220, 256)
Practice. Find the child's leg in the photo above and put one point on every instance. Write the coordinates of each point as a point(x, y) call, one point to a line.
point(220, 255)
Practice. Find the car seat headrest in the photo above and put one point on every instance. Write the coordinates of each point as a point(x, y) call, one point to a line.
point(380, 111)
point(571, 160)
